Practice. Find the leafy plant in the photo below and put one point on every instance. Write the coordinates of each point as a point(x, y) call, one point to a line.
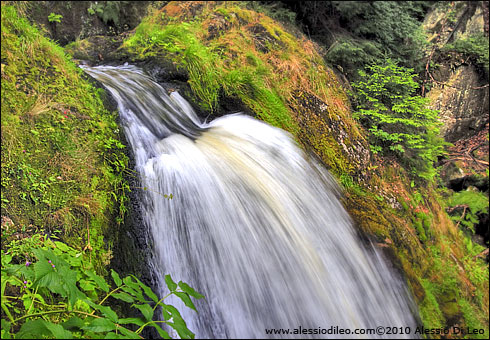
point(467, 206)
point(55, 17)
point(398, 120)
point(61, 296)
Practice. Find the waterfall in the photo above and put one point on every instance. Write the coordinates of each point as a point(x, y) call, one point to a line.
point(252, 223)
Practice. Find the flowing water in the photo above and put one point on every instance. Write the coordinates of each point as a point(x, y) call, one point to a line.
point(253, 224)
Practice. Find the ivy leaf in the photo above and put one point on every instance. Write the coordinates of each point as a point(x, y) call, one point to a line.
point(146, 310)
point(170, 283)
point(186, 299)
point(189, 290)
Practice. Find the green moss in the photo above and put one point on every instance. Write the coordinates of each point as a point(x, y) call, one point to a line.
point(472, 320)
point(430, 312)
point(57, 137)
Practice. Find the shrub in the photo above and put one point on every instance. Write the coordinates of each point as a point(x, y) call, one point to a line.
point(397, 119)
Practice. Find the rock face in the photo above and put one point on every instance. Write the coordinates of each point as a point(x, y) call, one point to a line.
point(462, 101)
point(460, 88)
point(82, 19)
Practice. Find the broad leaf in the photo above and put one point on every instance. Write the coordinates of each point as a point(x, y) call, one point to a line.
point(105, 310)
point(186, 299)
point(116, 278)
point(33, 329)
point(146, 310)
point(99, 280)
point(189, 290)
point(123, 296)
point(100, 325)
point(170, 283)
point(73, 323)
point(58, 331)
point(136, 321)
point(147, 290)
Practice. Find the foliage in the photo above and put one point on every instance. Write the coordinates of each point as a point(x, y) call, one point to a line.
point(353, 54)
point(473, 203)
point(207, 75)
point(62, 160)
point(475, 47)
point(274, 10)
point(398, 120)
point(54, 17)
point(107, 11)
point(55, 293)
point(383, 29)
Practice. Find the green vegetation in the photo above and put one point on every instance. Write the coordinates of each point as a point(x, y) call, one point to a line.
point(471, 203)
point(475, 48)
point(375, 30)
point(54, 292)
point(62, 161)
point(54, 17)
point(108, 11)
point(206, 78)
point(397, 119)
point(64, 196)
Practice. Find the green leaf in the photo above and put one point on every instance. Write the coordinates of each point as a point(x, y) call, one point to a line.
point(160, 331)
point(123, 296)
point(186, 299)
point(136, 321)
point(116, 278)
point(87, 286)
point(73, 323)
point(5, 329)
point(180, 326)
point(170, 283)
point(128, 333)
point(147, 290)
point(189, 290)
point(100, 325)
point(146, 310)
point(27, 300)
point(33, 329)
point(133, 288)
point(61, 246)
point(105, 310)
point(58, 331)
point(99, 280)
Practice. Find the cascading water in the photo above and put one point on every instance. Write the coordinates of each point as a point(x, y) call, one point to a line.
point(253, 225)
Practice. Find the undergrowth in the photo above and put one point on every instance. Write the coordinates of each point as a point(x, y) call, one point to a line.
point(62, 159)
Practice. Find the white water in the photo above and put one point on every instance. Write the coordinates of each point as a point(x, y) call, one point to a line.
point(253, 225)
